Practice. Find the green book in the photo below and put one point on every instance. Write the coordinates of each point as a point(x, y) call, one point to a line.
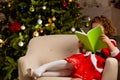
point(91, 39)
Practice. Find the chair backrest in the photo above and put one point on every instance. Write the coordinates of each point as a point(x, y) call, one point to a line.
point(52, 47)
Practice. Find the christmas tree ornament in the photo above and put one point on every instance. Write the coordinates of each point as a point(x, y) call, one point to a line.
point(78, 5)
point(4, 7)
point(49, 20)
point(39, 16)
point(20, 36)
point(73, 29)
point(89, 18)
point(9, 4)
point(64, 4)
point(50, 24)
point(14, 26)
point(35, 33)
point(32, 9)
point(23, 27)
point(21, 43)
point(70, 0)
point(22, 8)
point(39, 21)
point(1, 42)
point(44, 7)
point(41, 30)
point(53, 18)
point(87, 24)
point(46, 25)
point(37, 27)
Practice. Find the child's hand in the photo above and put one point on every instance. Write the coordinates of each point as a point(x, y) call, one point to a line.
point(105, 39)
point(108, 42)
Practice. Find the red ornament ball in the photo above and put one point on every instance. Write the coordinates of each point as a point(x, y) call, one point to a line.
point(78, 5)
point(41, 30)
point(64, 4)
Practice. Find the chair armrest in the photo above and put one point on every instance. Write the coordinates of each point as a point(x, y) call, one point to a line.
point(110, 71)
point(25, 62)
point(118, 70)
point(22, 69)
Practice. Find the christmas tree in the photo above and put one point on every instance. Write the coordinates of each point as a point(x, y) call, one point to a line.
point(21, 20)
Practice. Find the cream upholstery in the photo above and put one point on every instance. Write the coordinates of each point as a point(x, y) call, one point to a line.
point(53, 47)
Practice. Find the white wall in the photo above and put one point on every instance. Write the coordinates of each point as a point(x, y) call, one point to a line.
point(104, 3)
point(90, 3)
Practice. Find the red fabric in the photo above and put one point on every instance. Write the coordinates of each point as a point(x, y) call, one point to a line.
point(106, 51)
point(84, 68)
point(118, 57)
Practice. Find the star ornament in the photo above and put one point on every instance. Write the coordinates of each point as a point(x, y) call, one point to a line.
point(2, 42)
point(51, 24)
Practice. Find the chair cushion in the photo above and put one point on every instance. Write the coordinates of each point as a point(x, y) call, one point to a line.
point(54, 78)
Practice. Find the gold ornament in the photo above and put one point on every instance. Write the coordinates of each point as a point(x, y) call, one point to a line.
point(2, 42)
point(35, 33)
point(9, 4)
point(51, 24)
point(70, 0)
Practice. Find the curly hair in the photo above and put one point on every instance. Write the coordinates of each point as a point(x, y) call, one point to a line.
point(108, 27)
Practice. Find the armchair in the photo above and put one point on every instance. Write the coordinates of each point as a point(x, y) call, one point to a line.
point(53, 47)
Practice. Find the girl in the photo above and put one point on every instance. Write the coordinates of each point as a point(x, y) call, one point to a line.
point(85, 65)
